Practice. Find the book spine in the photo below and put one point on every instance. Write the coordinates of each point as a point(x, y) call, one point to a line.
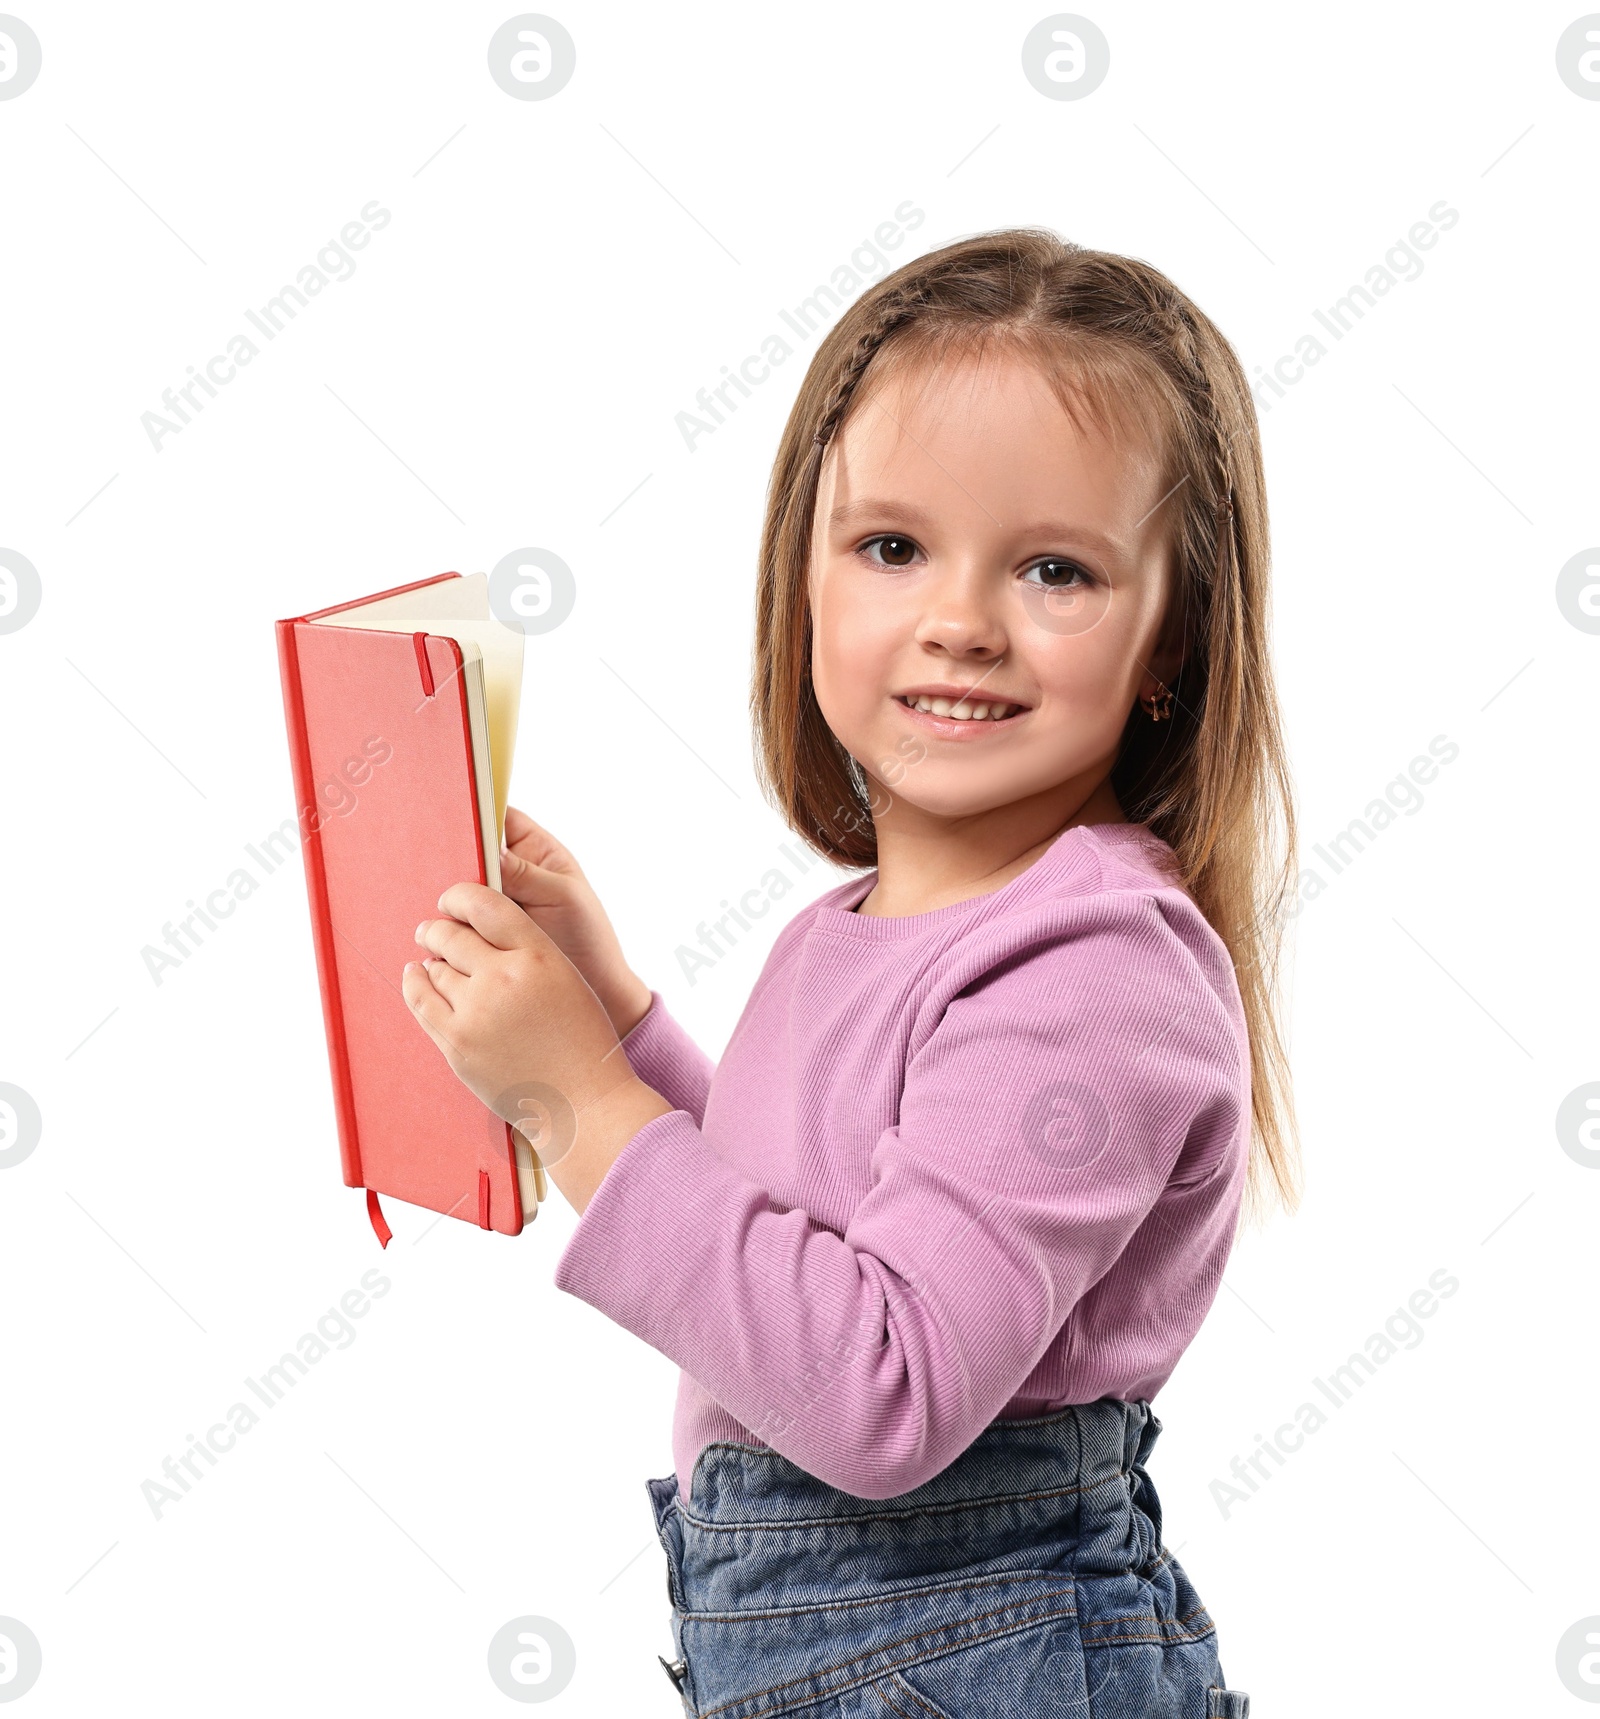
point(317, 893)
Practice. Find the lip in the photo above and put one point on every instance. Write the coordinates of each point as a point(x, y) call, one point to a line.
point(944, 689)
point(949, 727)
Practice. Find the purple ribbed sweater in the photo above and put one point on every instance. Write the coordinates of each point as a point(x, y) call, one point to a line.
point(981, 1161)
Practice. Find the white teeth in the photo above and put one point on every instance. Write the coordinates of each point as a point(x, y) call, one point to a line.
point(964, 711)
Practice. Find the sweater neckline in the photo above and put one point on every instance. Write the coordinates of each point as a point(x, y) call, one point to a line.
point(836, 913)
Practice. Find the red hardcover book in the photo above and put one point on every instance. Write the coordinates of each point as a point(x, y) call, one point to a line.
point(401, 712)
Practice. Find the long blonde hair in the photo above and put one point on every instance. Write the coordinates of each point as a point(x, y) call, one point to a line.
point(1117, 336)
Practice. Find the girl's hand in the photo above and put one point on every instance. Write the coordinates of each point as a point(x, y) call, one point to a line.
point(510, 1012)
point(545, 880)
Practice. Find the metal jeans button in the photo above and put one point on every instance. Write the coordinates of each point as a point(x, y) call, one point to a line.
point(676, 1670)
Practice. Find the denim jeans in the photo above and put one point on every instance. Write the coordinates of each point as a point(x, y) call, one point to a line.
point(1027, 1579)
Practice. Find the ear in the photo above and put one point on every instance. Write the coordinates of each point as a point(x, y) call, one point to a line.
point(1166, 657)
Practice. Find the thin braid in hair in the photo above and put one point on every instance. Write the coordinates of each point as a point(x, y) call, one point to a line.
point(1201, 381)
point(896, 311)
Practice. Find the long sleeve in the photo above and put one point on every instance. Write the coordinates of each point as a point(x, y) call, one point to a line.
point(663, 1056)
point(1039, 1122)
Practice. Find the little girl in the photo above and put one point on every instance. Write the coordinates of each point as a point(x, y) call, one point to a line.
point(937, 1228)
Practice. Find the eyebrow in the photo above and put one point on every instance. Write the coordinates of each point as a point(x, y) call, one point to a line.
point(878, 506)
point(871, 504)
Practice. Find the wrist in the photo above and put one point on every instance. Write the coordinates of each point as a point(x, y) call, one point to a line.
point(605, 1125)
point(629, 1006)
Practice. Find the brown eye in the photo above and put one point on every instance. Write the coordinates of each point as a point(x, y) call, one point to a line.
point(1057, 575)
point(894, 551)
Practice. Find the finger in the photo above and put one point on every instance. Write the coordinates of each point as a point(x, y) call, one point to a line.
point(532, 885)
point(459, 944)
point(425, 1002)
point(534, 843)
point(519, 826)
point(445, 979)
point(495, 919)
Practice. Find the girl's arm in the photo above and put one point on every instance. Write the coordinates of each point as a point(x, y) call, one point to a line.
point(1039, 1124)
point(664, 1057)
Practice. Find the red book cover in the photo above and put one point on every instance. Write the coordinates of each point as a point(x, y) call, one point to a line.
point(387, 795)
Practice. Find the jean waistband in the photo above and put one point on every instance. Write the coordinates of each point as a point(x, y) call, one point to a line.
point(1066, 1489)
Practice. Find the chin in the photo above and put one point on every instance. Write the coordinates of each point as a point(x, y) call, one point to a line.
point(956, 801)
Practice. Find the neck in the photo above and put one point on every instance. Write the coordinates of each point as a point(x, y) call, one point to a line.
point(926, 861)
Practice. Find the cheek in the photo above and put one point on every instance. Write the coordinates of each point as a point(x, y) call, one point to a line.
point(853, 640)
point(1091, 677)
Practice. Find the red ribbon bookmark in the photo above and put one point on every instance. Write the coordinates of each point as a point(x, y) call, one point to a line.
point(375, 1212)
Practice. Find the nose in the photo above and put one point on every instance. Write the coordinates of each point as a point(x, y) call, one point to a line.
point(962, 613)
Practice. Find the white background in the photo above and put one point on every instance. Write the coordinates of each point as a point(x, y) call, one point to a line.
point(558, 280)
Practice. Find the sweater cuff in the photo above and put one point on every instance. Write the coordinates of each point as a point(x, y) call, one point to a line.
point(663, 1056)
point(643, 1244)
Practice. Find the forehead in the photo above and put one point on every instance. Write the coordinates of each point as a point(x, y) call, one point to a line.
point(996, 428)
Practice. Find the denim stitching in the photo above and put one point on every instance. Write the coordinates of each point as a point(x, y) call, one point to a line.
point(1068, 1412)
point(899, 1684)
point(956, 1647)
point(890, 1597)
point(844, 1665)
point(878, 1691)
point(1097, 1627)
point(782, 1524)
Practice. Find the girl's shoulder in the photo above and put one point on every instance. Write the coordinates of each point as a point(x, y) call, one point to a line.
point(1105, 909)
point(1131, 854)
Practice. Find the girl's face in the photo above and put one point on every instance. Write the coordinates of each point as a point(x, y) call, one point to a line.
point(973, 547)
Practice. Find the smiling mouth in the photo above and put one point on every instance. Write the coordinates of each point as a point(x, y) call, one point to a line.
point(976, 711)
